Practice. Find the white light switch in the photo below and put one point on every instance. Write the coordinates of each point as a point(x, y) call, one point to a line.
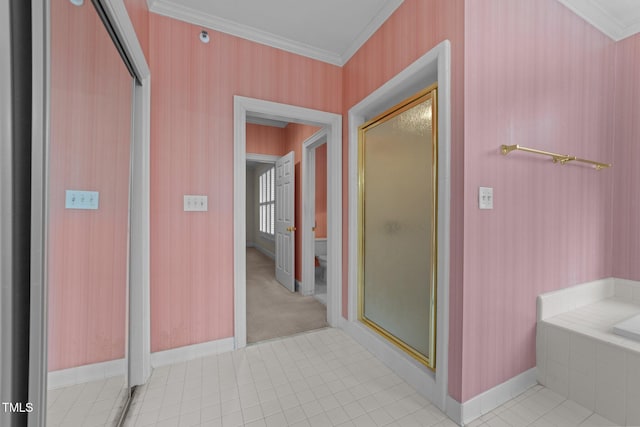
point(195, 203)
point(77, 199)
point(485, 198)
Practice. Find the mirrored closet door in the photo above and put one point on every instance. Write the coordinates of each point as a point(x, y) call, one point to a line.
point(88, 220)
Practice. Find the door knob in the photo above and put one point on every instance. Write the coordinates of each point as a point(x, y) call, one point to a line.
point(291, 229)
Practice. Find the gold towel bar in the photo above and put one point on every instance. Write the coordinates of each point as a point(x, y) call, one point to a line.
point(557, 158)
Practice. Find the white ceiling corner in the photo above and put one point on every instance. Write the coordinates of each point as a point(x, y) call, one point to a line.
point(618, 19)
point(329, 30)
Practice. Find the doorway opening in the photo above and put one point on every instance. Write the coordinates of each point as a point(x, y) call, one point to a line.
point(330, 128)
point(276, 305)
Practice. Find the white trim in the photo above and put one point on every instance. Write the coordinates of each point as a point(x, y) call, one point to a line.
point(431, 67)
point(454, 410)
point(256, 107)
point(181, 12)
point(262, 158)
point(308, 203)
point(190, 352)
point(595, 15)
point(139, 343)
point(119, 18)
point(266, 122)
point(496, 396)
point(85, 373)
point(192, 16)
point(139, 279)
point(40, 116)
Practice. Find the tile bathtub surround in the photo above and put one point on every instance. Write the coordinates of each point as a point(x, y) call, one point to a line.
point(578, 357)
point(551, 304)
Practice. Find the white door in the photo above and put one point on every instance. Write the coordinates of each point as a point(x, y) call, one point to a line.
point(285, 229)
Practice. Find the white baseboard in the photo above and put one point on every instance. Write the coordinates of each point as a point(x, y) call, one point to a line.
point(422, 379)
point(85, 373)
point(454, 410)
point(189, 352)
point(496, 396)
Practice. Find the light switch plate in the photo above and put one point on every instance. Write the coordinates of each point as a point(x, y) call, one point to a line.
point(485, 198)
point(195, 203)
point(79, 199)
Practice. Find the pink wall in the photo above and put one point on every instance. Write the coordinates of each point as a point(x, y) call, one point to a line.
point(626, 206)
point(539, 76)
point(415, 28)
point(90, 135)
point(193, 86)
point(265, 140)
point(321, 191)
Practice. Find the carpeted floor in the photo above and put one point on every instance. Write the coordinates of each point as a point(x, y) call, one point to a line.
point(273, 311)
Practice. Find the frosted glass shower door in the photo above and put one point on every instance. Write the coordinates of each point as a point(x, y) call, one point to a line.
point(398, 200)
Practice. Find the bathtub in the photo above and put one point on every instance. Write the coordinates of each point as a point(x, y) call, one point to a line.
point(629, 328)
point(579, 353)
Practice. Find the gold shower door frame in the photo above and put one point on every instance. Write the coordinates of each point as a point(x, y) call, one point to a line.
point(424, 95)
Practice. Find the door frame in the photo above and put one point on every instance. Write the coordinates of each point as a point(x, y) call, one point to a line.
point(290, 113)
point(433, 66)
point(308, 204)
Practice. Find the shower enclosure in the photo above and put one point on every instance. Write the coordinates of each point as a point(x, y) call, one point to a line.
point(398, 182)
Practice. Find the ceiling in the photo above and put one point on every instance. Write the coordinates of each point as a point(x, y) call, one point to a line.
point(618, 19)
point(328, 30)
point(333, 30)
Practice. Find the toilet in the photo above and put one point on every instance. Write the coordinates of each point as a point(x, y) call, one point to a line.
point(322, 259)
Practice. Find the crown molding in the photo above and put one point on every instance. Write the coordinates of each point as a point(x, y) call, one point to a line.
point(173, 10)
point(370, 29)
point(595, 15)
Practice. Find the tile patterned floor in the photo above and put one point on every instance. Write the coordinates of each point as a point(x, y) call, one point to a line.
point(92, 404)
point(541, 407)
point(321, 378)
